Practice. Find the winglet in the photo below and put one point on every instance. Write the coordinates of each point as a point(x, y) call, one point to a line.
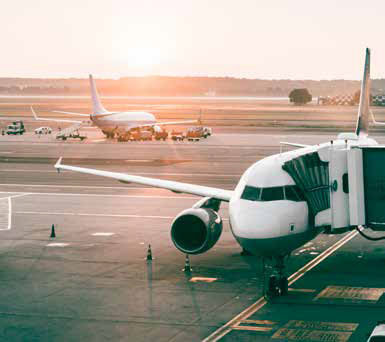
point(58, 164)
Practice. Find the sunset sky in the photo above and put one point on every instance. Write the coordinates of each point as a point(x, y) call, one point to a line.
point(298, 39)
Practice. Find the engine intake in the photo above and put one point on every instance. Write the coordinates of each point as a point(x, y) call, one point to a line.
point(196, 230)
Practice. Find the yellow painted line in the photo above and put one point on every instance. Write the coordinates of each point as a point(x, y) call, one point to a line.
point(250, 328)
point(326, 326)
point(351, 293)
point(261, 302)
point(202, 280)
point(301, 290)
point(312, 335)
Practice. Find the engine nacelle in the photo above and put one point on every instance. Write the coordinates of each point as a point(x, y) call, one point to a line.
point(196, 230)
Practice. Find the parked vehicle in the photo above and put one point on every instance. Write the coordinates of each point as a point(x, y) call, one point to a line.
point(17, 127)
point(74, 135)
point(177, 135)
point(162, 135)
point(135, 136)
point(194, 134)
point(207, 131)
point(43, 130)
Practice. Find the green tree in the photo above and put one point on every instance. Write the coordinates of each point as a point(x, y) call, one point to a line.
point(300, 96)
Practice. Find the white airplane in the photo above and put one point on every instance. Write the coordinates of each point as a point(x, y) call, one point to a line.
point(114, 123)
point(272, 210)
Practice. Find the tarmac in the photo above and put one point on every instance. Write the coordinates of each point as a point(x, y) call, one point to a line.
point(92, 282)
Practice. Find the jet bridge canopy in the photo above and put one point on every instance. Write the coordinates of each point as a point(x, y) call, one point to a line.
point(343, 185)
point(311, 174)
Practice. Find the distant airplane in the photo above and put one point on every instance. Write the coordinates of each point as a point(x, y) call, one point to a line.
point(279, 204)
point(114, 124)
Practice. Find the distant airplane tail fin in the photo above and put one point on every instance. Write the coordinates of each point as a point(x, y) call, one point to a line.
point(362, 127)
point(97, 107)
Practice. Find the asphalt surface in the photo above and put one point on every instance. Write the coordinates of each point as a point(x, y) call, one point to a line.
point(92, 282)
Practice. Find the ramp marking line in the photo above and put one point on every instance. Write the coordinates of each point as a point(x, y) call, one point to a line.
point(9, 204)
point(261, 302)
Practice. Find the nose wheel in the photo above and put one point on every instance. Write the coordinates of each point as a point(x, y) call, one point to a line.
point(277, 284)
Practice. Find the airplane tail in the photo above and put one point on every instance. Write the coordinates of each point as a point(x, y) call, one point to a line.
point(97, 107)
point(362, 127)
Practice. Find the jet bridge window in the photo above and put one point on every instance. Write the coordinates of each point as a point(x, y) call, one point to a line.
point(276, 193)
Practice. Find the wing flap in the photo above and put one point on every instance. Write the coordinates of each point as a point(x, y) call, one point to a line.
point(178, 187)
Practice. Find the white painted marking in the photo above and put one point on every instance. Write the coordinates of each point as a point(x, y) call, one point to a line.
point(99, 215)
point(57, 244)
point(103, 234)
point(6, 208)
point(103, 195)
point(261, 302)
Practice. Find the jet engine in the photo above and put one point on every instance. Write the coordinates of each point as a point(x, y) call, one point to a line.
point(196, 230)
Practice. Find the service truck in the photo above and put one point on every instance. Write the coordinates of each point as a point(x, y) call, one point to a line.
point(17, 127)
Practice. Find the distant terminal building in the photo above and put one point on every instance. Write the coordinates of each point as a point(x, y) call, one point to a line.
point(349, 100)
point(378, 100)
point(339, 100)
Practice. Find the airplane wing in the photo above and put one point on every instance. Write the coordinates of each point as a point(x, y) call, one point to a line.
point(71, 113)
point(293, 144)
point(204, 191)
point(53, 120)
point(168, 123)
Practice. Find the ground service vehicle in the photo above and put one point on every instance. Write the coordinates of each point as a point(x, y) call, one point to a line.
point(207, 132)
point(137, 136)
point(194, 134)
point(74, 135)
point(177, 135)
point(162, 135)
point(43, 130)
point(17, 127)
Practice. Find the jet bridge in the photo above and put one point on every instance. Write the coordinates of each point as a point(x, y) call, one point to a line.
point(344, 186)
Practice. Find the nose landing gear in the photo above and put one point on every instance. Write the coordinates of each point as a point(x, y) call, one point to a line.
point(277, 284)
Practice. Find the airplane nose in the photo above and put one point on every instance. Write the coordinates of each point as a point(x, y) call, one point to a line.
point(263, 228)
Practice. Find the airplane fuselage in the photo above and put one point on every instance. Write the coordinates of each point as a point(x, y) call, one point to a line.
point(123, 122)
point(268, 215)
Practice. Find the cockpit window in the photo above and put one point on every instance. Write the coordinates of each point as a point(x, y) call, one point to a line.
point(250, 193)
point(276, 193)
point(272, 194)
